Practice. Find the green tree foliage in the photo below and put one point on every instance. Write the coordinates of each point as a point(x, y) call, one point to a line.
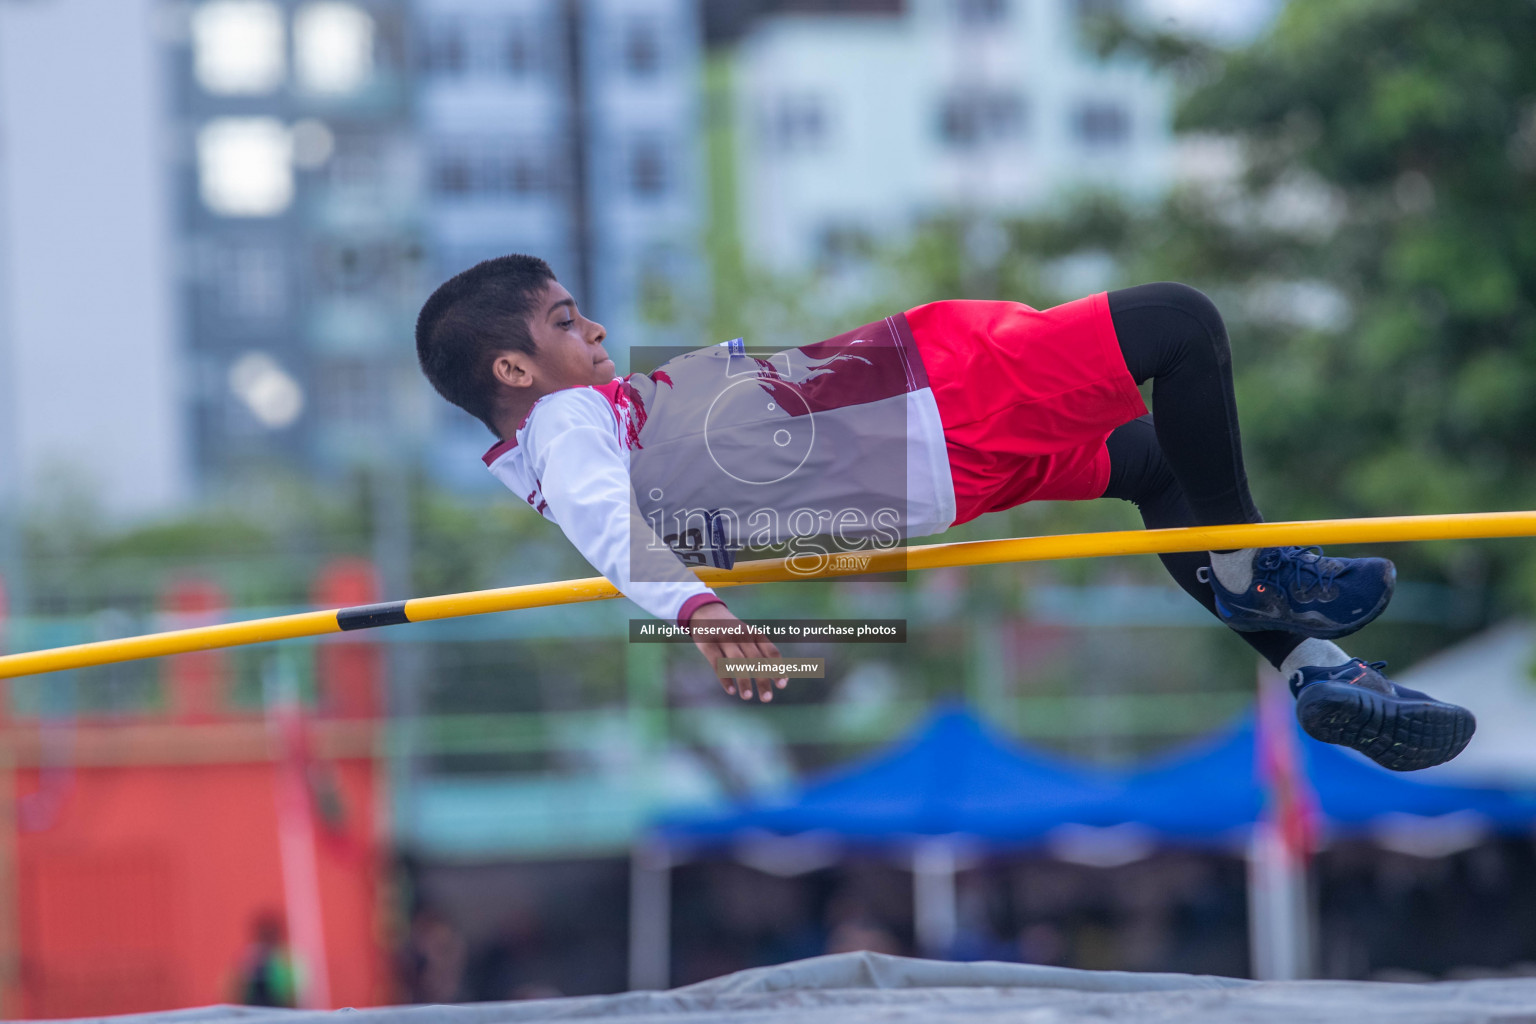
point(1365, 217)
point(266, 547)
point(1380, 247)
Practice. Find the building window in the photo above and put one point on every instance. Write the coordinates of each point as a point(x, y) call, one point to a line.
point(521, 174)
point(796, 123)
point(489, 168)
point(357, 160)
point(642, 48)
point(517, 50)
point(354, 268)
point(251, 283)
point(443, 52)
point(980, 12)
point(245, 166)
point(978, 118)
point(353, 392)
point(237, 47)
point(333, 47)
point(452, 174)
point(1101, 124)
point(648, 169)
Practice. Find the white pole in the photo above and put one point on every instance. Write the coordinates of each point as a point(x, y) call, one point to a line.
point(933, 897)
point(296, 846)
point(650, 917)
point(1279, 925)
point(1271, 923)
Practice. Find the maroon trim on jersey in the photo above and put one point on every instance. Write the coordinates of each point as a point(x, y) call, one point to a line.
point(610, 391)
point(499, 449)
point(876, 361)
point(621, 394)
point(693, 604)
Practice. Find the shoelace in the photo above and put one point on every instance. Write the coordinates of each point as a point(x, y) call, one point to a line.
point(1274, 561)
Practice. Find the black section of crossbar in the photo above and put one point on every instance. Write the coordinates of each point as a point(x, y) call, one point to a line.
point(367, 616)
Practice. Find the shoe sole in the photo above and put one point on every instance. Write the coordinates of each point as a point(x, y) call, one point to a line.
point(1302, 628)
point(1403, 734)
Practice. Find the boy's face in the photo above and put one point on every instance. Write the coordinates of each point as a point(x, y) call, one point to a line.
point(568, 348)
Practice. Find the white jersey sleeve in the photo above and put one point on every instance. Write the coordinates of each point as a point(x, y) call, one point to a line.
point(573, 450)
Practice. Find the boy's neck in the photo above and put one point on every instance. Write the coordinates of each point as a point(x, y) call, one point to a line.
point(510, 414)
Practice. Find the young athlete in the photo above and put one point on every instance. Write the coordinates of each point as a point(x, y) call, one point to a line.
point(900, 429)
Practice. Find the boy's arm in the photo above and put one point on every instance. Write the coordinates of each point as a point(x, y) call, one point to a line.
point(584, 477)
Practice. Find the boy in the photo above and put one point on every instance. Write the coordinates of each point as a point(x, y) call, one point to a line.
point(903, 428)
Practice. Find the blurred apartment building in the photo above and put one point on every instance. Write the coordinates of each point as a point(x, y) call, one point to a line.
point(299, 215)
point(857, 120)
point(220, 216)
point(211, 241)
point(350, 155)
point(567, 129)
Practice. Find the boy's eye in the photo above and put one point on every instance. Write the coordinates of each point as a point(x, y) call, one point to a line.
point(565, 325)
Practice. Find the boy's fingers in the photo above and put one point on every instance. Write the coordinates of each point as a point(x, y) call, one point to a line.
point(760, 650)
point(746, 642)
point(749, 649)
point(740, 652)
point(729, 685)
point(718, 653)
point(735, 652)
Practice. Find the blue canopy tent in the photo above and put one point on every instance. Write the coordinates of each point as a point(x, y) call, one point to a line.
point(954, 781)
point(1211, 791)
point(953, 775)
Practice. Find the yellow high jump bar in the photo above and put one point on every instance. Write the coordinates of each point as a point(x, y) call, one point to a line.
point(1389, 529)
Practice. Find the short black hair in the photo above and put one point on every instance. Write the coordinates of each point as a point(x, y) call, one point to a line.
point(471, 317)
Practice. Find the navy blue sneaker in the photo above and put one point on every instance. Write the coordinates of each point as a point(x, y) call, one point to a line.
point(1298, 590)
point(1354, 705)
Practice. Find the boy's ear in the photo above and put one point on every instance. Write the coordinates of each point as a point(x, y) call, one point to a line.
point(513, 368)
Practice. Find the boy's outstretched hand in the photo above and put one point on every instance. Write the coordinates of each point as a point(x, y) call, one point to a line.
point(742, 641)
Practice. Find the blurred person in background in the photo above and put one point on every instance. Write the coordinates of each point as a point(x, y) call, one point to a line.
point(433, 960)
point(862, 933)
point(267, 976)
point(852, 926)
point(1042, 942)
point(994, 403)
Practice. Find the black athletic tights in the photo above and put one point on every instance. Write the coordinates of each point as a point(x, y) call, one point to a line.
point(1185, 466)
